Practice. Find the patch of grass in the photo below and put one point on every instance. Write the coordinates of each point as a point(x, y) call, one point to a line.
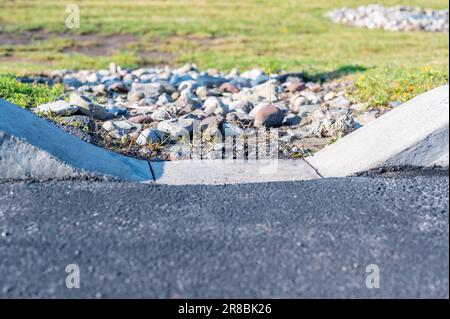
point(378, 87)
point(290, 35)
point(278, 35)
point(27, 95)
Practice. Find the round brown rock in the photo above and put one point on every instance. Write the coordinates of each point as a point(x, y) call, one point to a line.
point(228, 88)
point(141, 119)
point(269, 116)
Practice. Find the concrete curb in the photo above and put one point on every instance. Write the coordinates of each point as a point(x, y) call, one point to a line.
point(413, 134)
point(31, 147)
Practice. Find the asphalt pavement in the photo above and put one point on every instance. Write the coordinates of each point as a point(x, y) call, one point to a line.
point(308, 239)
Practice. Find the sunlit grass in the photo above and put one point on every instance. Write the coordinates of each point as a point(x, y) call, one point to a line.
point(381, 86)
point(27, 95)
point(288, 35)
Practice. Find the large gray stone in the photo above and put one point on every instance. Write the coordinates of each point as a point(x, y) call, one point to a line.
point(87, 107)
point(31, 147)
point(59, 107)
point(413, 134)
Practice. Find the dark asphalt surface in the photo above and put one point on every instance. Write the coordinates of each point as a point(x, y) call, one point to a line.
point(281, 240)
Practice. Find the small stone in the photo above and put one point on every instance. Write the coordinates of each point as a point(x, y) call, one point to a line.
point(188, 104)
point(164, 99)
point(99, 89)
point(88, 108)
point(72, 82)
point(366, 117)
point(149, 89)
point(339, 103)
point(229, 129)
point(141, 119)
point(210, 81)
point(160, 115)
point(202, 92)
point(318, 115)
point(189, 86)
point(175, 96)
point(297, 103)
point(291, 119)
point(149, 135)
point(119, 129)
point(243, 117)
point(136, 96)
point(146, 78)
point(308, 109)
point(59, 107)
point(314, 87)
point(267, 91)
point(142, 109)
point(210, 127)
point(186, 94)
point(213, 105)
point(329, 96)
point(112, 68)
point(359, 107)
point(167, 87)
point(256, 76)
point(285, 139)
point(146, 152)
point(228, 88)
point(395, 104)
point(128, 79)
point(92, 78)
point(208, 122)
point(256, 109)
point(303, 131)
point(270, 116)
point(232, 117)
point(241, 106)
point(148, 102)
point(108, 80)
point(312, 98)
point(296, 86)
point(118, 87)
point(177, 128)
point(333, 127)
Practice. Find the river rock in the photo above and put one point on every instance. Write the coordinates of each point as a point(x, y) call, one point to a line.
point(270, 116)
point(59, 107)
point(89, 108)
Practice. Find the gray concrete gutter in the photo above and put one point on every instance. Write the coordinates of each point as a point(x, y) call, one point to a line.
point(212, 172)
point(31, 147)
point(414, 134)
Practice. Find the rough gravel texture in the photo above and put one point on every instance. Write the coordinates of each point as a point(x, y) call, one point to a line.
point(397, 18)
point(285, 240)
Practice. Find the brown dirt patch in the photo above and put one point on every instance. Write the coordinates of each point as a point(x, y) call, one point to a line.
point(150, 50)
point(91, 45)
point(87, 44)
point(21, 38)
point(97, 45)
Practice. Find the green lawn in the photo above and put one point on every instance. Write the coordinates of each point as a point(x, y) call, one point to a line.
point(28, 95)
point(273, 34)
